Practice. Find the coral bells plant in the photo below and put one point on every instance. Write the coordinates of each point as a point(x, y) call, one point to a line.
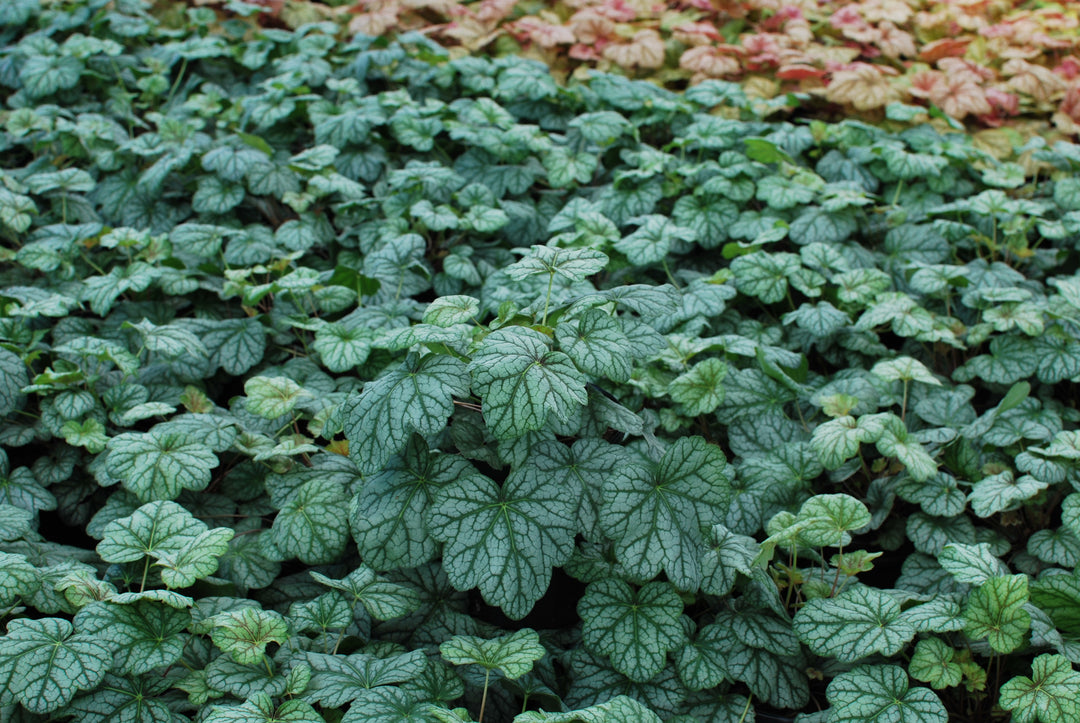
point(353, 381)
point(985, 62)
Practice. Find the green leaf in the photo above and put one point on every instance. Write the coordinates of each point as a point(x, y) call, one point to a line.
point(1048, 696)
point(726, 555)
point(700, 390)
point(147, 634)
point(996, 611)
point(838, 440)
point(651, 242)
point(153, 529)
point(566, 168)
point(43, 75)
point(620, 709)
point(15, 522)
point(13, 378)
point(447, 311)
point(387, 515)
point(512, 655)
point(197, 560)
point(656, 513)
point(417, 397)
point(904, 369)
point(574, 264)
point(856, 623)
point(272, 397)
point(340, 679)
point(261, 709)
point(1059, 597)
point(124, 700)
point(781, 193)
point(388, 704)
point(636, 628)
point(245, 633)
point(18, 578)
point(1002, 491)
point(311, 525)
point(51, 662)
point(578, 472)
point(383, 600)
point(598, 345)
point(504, 540)
point(329, 611)
point(830, 518)
point(521, 380)
point(1067, 194)
point(159, 465)
point(933, 663)
point(343, 346)
point(879, 693)
point(971, 564)
point(764, 275)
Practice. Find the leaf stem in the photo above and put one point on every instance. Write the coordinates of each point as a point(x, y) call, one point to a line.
point(145, 570)
point(266, 663)
point(483, 698)
point(547, 299)
point(671, 277)
point(746, 708)
point(903, 404)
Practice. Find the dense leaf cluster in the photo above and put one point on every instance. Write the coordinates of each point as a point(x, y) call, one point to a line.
point(988, 63)
point(331, 372)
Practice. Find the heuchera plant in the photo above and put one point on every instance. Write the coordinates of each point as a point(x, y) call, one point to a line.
point(987, 63)
point(350, 382)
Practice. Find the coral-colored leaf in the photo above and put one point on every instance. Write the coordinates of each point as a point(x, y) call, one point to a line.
point(645, 50)
point(862, 86)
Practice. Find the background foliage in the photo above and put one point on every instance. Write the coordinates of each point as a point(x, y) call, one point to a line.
point(991, 64)
point(351, 382)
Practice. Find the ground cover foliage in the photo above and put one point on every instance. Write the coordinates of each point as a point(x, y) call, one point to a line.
point(345, 382)
point(988, 63)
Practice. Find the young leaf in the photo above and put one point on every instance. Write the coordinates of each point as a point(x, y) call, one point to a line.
point(700, 390)
point(383, 600)
point(18, 578)
point(971, 564)
point(574, 264)
point(513, 655)
point(245, 633)
point(996, 611)
point(387, 516)
point(1048, 696)
point(123, 700)
point(932, 662)
point(197, 560)
point(449, 310)
point(637, 628)
point(597, 344)
point(829, 520)
point(272, 397)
